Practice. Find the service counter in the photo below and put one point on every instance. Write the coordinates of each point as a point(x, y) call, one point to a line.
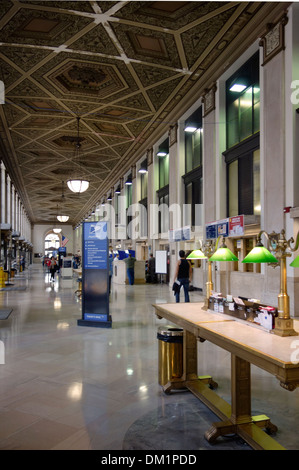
point(248, 344)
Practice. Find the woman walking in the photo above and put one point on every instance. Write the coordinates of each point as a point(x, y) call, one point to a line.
point(53, 268)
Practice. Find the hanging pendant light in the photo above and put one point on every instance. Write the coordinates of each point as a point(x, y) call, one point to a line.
point(78, 184)
point(63, 218)
point(55, 228)
point(60, 217)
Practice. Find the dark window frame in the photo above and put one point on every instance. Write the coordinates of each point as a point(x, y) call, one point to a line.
point(240, 152)
point(193, 177)
point(250, 72)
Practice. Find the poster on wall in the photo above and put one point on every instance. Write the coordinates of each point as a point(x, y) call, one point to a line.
point(161, 262)
point(95, 276)
point(230, 227)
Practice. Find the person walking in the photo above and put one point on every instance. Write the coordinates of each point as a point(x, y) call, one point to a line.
point(53, 268)
point(152, 269)
point(130, 262)
point(183, 275)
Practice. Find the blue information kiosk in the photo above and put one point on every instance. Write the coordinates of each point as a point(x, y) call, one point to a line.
point(95, 276)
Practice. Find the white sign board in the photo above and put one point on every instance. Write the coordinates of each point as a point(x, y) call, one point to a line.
point(161, 262)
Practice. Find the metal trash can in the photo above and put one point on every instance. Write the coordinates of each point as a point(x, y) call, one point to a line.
point(170, 353)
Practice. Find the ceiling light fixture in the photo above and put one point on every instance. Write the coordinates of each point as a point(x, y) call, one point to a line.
point(190, 129)
point(55, 228)
point(161, 153)
point(143, 167)
point(238, 85)
point(60, 217)
point(78, 184)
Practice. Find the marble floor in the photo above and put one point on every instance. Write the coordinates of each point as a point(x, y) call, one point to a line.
point(68, 387)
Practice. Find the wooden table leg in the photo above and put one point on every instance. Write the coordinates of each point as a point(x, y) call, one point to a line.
point(240, 390)
point(240, 421)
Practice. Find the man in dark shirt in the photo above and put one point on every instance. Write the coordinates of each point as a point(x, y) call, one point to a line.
point(183, 275)
point(152, 269)
point(130, 261)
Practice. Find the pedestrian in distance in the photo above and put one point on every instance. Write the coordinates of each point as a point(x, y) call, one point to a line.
point(53, 266)
point(130, 262)
point(182, 276)
point(152, 269)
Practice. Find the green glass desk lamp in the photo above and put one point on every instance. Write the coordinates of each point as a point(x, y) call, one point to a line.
point(211, 253)
point(260, 254)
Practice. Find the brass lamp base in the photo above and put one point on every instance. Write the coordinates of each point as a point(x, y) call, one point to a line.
point(284, 327)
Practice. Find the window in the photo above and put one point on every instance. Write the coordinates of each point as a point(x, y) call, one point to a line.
point(163, 170)
point(163, 201)
point(128, 193)
point(143, 218)
point(243, 155)
point(243, 102)
point(116, 208)
point(52, 243)
point(193, 141)
point(143, 185)
point(243, 179)
point(193, 196)
point(163, 191)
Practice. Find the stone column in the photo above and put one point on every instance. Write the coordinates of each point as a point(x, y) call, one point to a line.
point(175, 196)
point(209, 157)
point(3, 194)
point(273, 156)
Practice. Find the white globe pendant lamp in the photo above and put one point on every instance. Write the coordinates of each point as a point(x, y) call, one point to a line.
point(78, 184)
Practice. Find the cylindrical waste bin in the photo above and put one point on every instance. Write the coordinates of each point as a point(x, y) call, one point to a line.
point(170, 353)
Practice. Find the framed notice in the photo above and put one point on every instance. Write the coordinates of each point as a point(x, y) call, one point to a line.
point(161, 262)
point(95, 275)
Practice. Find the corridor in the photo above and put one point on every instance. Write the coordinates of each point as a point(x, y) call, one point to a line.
point(65, 387)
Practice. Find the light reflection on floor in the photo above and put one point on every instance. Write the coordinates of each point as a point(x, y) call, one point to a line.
point(69, 387)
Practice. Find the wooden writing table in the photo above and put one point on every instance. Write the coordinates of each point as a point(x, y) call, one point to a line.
point(247, 345)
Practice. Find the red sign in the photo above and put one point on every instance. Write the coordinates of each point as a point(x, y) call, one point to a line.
point(236, 226)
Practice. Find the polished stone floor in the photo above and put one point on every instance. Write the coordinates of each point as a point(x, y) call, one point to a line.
point(68, 387)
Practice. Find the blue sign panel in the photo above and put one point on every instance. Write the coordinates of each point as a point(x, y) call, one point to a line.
point(222, 228)
point(95, 275)
point(216, 229)
point(211, 231)
point(95, 245)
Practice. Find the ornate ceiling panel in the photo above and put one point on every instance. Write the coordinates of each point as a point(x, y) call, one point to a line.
point(127, 69)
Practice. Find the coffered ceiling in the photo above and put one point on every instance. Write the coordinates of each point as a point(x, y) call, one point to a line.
point(127, 69)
